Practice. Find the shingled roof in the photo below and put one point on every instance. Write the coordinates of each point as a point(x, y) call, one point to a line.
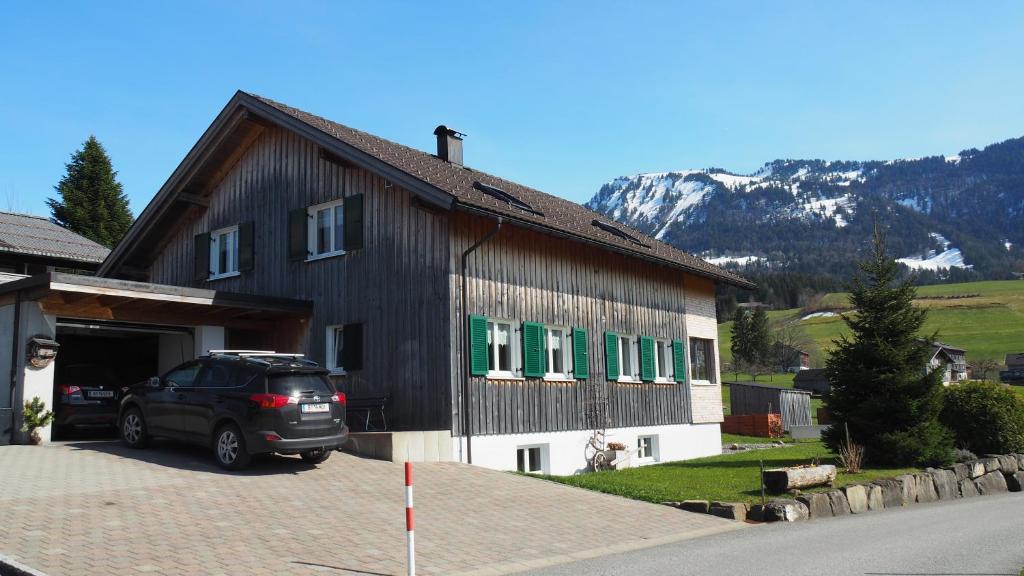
point(549, 211)
point(37, 236)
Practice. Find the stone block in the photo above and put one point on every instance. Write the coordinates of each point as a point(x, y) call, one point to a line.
point(909, 486)
point(1007, 463)
point(1020, 461)
point(698, 506)
point(785, 511)
point(945, 483)
point(990, 463)
point(840, 506)
point(892, 492)
point(961, 471)
point(876, 499)
point(818, 504)
point(1015, 481)
point(967, 488)
point(925, 488)
point(976, 468)
point(730, 510)
point(857, 498)
point(992, 483)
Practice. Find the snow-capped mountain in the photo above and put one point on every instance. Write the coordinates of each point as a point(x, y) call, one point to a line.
point(962, 213)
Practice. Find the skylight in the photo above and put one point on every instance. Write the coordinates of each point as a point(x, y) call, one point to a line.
point(500, 194)
point(621, 234)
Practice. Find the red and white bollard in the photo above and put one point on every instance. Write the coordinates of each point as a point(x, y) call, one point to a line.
point(410, 538)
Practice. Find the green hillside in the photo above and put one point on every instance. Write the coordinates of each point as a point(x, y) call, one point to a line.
point(985, 318)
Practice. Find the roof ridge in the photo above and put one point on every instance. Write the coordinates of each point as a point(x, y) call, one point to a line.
point(26, 215)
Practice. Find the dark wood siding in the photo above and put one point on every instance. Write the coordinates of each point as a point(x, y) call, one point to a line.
point(529, 276)
point(397, 284)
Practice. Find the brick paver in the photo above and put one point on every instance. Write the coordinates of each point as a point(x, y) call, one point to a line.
point(93, 507)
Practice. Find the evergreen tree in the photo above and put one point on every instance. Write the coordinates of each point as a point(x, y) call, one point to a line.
point(880, 387)
point(92, 202)
point(760, 341)
point(740, 338)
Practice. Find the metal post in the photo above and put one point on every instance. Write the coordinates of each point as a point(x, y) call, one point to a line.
point(762, 482)
point(410, 539)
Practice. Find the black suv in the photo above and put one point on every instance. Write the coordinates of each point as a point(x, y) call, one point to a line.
point(239, 404)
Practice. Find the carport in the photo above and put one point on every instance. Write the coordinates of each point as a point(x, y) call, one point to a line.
point(148, 327)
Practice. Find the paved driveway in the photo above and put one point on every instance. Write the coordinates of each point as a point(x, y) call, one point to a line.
point(93, 507)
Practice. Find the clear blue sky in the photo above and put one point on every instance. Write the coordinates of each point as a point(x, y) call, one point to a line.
point(561, 96)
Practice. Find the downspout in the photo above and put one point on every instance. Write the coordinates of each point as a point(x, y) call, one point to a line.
point(466, 352)
point(15, 340)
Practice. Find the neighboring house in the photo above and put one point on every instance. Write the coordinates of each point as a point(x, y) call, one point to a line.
point(754, 305)
point(1014, 368)
point(789, 358)
point(814, 380)
point(951, 361)
point(32, 244)
point(501, 325)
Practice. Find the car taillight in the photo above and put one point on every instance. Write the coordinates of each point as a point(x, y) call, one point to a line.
point(273, 400)
point(339, 398)
point(68, 390)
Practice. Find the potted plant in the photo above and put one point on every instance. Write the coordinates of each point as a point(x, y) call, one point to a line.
point(36, 416)
point(617, 455)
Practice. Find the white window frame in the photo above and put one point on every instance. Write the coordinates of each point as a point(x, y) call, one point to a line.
point(542, 466)
point(216, 237)
point(633, 350)
point(710, 362)
point(515, 349)
point(549, 353)
point(663, 351)
point(338, 244)
point(641, 453)
point(334, 333)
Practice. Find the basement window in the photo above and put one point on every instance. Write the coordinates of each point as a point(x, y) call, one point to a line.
point(647, 448)
point(531, 459)
point(504, 196)
point(620, 233)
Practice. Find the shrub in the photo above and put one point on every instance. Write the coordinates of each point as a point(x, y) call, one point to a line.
point(987, 418)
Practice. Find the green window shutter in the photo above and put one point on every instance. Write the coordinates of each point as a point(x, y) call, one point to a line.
point(611, 355)
point(580, 358)
point(647, 358)
point(533, 350)
point(478, 353)
point(678, 361)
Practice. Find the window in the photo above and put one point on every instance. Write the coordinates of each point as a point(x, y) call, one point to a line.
point(214, 376)
point(335, 349)
point(503, 349)
point(702, 360)
point(557, 357)
point(326, 231)
point(530, 459)
point(184, 376)
point(224, 253)
point(647, 448)
point(663, 371)
point(629, 361)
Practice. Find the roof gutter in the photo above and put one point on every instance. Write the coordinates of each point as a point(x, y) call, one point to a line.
point(741, 283)
point(15, 345)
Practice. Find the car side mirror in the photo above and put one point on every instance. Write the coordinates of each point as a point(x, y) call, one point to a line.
point(153, 382)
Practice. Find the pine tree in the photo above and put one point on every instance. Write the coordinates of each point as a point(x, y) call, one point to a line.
point(92, 202)
point(880, 387)
point(740, 345)
point(760, 342)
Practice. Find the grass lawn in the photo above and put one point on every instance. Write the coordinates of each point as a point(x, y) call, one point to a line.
point(741, 439)
point(729, 477)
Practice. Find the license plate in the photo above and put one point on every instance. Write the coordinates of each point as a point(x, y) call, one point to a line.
point(310, 408)
point(101, 394)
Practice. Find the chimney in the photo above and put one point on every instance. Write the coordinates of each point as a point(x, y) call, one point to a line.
point(449, 144)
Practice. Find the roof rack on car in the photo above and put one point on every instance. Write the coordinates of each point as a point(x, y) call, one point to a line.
point(240, 352)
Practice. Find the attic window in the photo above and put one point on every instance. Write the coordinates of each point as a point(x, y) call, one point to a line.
point(621, 234)
point(500, 194)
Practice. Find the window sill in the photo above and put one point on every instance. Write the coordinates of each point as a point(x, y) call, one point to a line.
point(702, 383)
point(508, 377)
point(558, 378)
point(628, 380)
point(325, 256)
point(223, 276)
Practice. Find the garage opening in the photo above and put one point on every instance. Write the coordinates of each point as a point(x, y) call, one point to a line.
point(97, 360)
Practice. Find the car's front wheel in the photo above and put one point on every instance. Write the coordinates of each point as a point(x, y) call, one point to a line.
point(133, 429)
point(316, 456)
point(229, 447)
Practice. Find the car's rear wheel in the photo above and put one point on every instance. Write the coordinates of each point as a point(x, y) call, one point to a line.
point(134, 433)
point(316, 455)
point(229, 447)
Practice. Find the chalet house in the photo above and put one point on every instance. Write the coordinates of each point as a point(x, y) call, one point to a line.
point(813, 380)
point(789, 358)
point(951, 361)
point(32, 244)
point(1014, 368)
point(499, 325)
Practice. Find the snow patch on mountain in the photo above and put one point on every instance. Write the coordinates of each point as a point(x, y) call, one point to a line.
point(937, 260)
point(740, 260)
point(828, 207)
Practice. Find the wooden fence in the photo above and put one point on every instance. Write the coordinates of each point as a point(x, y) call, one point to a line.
point(794, 405)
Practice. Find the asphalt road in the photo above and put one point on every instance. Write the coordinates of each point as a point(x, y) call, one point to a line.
point(977, 537)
